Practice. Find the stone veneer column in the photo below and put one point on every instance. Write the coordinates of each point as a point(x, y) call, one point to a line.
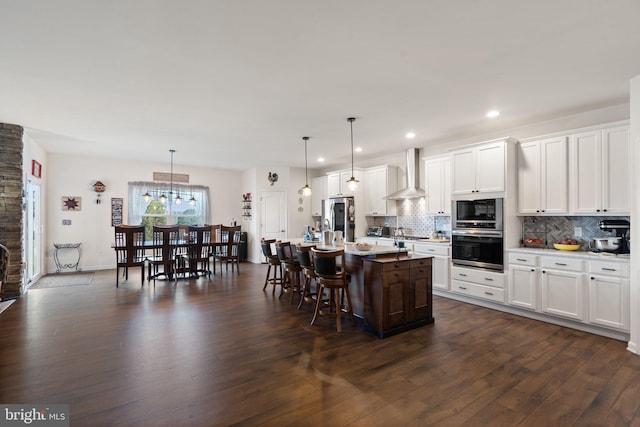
point(11, 147)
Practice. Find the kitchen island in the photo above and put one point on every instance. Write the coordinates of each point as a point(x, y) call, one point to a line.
point(391, 291)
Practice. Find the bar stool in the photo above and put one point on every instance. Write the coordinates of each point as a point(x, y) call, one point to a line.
point(291, 269)
point(329, 277)
point(306, 262)
point(272, 261)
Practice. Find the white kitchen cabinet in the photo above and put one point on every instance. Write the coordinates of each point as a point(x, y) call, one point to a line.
point(543, 177)
point(600, 171)
point(441, 265)
point(562, 287)
point(337, 183)
point(318, 194)
point(523, 281)
point(437, 172)
point(477, 283)
point(378, 182)
point(479, 169)
point(609, 294)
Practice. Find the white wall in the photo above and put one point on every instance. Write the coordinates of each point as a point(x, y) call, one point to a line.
point(634, 339)
point(298, 213)
point(75, 175)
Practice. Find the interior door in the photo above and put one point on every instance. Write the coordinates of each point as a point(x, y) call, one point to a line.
point(33, 232)
point(273, 215)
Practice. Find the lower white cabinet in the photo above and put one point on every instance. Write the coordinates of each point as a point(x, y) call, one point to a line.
point(478, 283)
point(609, 294)
point(562, 293)
point(523, 287)
point(578, 287)
point(523, 281)
point(441, 262)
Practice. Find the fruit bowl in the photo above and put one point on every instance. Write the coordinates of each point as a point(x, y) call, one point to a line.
point(362, 247)
point(562, 247)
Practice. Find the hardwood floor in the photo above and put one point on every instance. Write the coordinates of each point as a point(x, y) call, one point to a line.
point(223, 352)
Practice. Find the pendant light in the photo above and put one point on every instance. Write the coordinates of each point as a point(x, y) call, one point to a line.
point(352, 182)
point(306, 190)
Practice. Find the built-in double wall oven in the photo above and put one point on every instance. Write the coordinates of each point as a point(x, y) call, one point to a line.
point(476, 235)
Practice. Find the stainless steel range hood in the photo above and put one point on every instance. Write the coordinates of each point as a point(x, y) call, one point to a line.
point(413, 190)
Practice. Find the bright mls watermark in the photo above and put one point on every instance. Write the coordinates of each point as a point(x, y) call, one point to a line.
point(54, 415)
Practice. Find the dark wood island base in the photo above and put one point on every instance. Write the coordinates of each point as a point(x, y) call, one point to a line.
point(392, 293)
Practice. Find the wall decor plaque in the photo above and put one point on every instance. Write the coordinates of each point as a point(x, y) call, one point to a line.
point(116, 211)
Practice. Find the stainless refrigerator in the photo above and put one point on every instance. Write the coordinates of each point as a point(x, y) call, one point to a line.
point(340, 214)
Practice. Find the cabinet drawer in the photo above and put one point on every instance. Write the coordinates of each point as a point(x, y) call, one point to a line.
point(561, 263)
point(616, 269)
point(420, 263)
point(488, 278)
point(393, 266)
point(434, 249)
point(479, 291)
point(523, 259)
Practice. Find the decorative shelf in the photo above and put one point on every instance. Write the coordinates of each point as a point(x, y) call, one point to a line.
point(246, 205)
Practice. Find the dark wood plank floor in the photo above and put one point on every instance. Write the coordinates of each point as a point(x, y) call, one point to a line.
point(223, 352)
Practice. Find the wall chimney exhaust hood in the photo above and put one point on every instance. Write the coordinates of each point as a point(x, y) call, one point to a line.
point(412, 191)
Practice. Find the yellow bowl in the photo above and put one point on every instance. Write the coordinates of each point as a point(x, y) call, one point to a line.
point(566, 247)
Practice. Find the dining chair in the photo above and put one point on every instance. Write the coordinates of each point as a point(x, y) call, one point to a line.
point(165, 243)
point(306, 263)
point(199, 250)
point(130, 250)
point(332, 276)
point(291, 269)
point(227, 247)
point(272, 260)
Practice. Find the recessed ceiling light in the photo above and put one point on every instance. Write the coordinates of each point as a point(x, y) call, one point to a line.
point(358, 150)
point(410, 135)
point(493, 113)
point(321, 159)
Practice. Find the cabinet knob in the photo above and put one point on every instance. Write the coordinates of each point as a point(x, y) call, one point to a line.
point(593, 278)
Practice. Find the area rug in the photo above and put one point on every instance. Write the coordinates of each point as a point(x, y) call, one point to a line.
point(60, 280)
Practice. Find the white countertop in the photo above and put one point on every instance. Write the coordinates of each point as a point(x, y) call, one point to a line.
point(349, 248)
point(573, 254)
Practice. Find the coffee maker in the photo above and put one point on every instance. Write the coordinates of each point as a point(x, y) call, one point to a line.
point(622, 229)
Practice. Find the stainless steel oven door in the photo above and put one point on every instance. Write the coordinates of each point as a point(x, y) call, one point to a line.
point(481, 249)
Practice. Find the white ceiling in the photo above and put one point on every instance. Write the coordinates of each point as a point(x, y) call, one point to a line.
point(237, 84)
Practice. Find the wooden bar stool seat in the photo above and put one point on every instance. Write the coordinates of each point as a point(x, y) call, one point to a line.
point(331, 276)
point(291, 270)
point(272, 261)
point(306, 262)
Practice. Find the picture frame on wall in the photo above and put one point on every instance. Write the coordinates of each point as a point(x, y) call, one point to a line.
point(36, 169)
point(71, 203)
point(116, 211)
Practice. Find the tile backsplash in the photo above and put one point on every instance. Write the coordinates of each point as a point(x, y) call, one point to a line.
point(413, 218)
point(551, 229)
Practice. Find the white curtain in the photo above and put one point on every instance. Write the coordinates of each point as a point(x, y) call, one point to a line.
point(138, 206)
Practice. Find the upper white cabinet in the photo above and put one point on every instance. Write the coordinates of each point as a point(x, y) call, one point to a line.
point(437, 171)
point(337, 183)
point(479, 169)
point(318, 194)
point(599, 171)
point(378, 182)
point(543, 177)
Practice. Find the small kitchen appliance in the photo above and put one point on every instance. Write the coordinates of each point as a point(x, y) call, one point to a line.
point(619, 244)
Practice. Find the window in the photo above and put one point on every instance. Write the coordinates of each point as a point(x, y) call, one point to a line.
point(154, 212)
